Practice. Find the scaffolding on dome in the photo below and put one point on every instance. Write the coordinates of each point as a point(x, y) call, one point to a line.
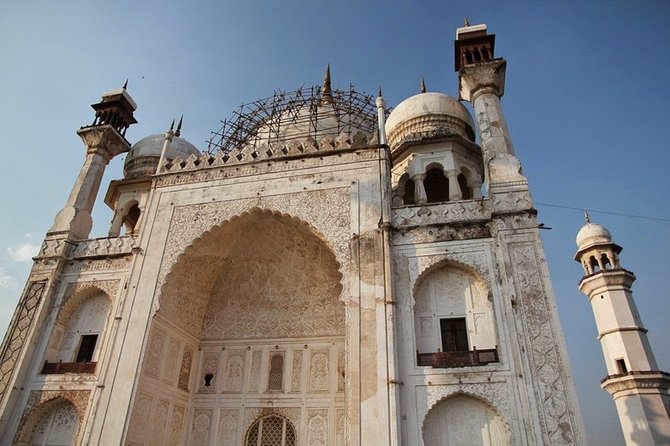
point(263, 120)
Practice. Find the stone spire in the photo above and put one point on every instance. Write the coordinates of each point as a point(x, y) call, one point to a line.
point(639, 388)
point(326, 90)
point(380, 102)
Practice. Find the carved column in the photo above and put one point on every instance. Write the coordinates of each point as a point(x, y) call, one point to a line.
point(419, 189)
point(103, 142)
point(483, 84)
point(455, 192)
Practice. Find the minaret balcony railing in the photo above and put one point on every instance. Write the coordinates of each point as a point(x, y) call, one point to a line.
point(59, 368)
point(458, 359)
point(640, 373)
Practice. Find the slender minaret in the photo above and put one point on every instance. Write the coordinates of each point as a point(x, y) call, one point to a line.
point(639, 388)
point(104, 139)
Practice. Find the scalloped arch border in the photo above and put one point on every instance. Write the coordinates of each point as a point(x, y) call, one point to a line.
point(448, 262)
point(311, 230)
point(47, 400)
point(480, 398)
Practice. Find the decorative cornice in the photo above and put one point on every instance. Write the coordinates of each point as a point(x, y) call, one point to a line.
point(482, 78)
point(426, 127)
point(103, 139)
point(620, 278)
point(637, 382)
point(266, 152)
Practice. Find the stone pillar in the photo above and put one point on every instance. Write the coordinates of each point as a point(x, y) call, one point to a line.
point(455, 192)
point(419, 189)
point(102, 142)
point(483, 84)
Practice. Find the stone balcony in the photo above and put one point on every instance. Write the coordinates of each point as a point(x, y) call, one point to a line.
point(458, 359)
point(59, 368)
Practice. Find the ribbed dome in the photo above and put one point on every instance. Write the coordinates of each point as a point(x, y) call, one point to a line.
point(592, 233)
point(426, 115)
point(143, 158)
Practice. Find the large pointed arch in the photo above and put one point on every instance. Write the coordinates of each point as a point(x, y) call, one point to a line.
point(212, 260)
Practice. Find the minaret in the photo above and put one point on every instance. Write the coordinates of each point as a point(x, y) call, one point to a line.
point(639, 388)
point(104, 139)
point(481, 79)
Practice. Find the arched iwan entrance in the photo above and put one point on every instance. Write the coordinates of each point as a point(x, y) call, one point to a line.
point(250, 318)
point(462, 420)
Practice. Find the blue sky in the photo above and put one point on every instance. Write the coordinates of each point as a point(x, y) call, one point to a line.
point(586, 100)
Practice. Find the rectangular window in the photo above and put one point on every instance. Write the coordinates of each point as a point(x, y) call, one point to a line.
point(454, 335)
point(86, 348)
point(621, 366)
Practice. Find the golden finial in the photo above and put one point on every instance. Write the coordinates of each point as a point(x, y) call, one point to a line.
point(380, 92)
point(587, 217)
point(125, 85)
point(326, 91)
point(423, 85)
point(466, 23)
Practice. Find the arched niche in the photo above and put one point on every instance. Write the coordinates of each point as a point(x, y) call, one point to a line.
point(452, 311)
point(52, 423)
point(80, 326)
point(464, 420)
point(259, 275)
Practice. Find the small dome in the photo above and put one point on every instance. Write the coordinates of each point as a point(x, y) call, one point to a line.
point(143, 158)
point(426, 115)
point(592, 233)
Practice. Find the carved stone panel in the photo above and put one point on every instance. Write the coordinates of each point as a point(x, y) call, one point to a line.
point(234, 372)
point(170, 367)
point(158, 423)
point(317, 427)
point(17, 332)
point(547, 368)
point(296, 379)
point(155, 353)
point(174, 430)
point(255, 378)
point(185, 369)
point(140, 418)
point(228, 430)
point(200, 431)
point(319, 371)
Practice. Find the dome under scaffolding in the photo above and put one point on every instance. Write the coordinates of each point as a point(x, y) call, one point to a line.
point(300, 114)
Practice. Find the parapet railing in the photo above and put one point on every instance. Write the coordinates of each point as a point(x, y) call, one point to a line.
point(57, 368)
point(458, 359)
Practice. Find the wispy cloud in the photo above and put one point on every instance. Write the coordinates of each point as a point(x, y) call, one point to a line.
point(7, 281)
point(23, 252)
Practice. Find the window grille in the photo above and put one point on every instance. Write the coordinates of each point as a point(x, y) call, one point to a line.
point(271, 431)
point(276, 378)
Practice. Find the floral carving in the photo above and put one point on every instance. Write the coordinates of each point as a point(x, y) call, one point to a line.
point(185, 369)
point(318, 372)
point(547, 366)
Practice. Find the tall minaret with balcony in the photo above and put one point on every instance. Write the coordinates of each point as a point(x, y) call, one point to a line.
point(104, 139)
point(639, 388)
